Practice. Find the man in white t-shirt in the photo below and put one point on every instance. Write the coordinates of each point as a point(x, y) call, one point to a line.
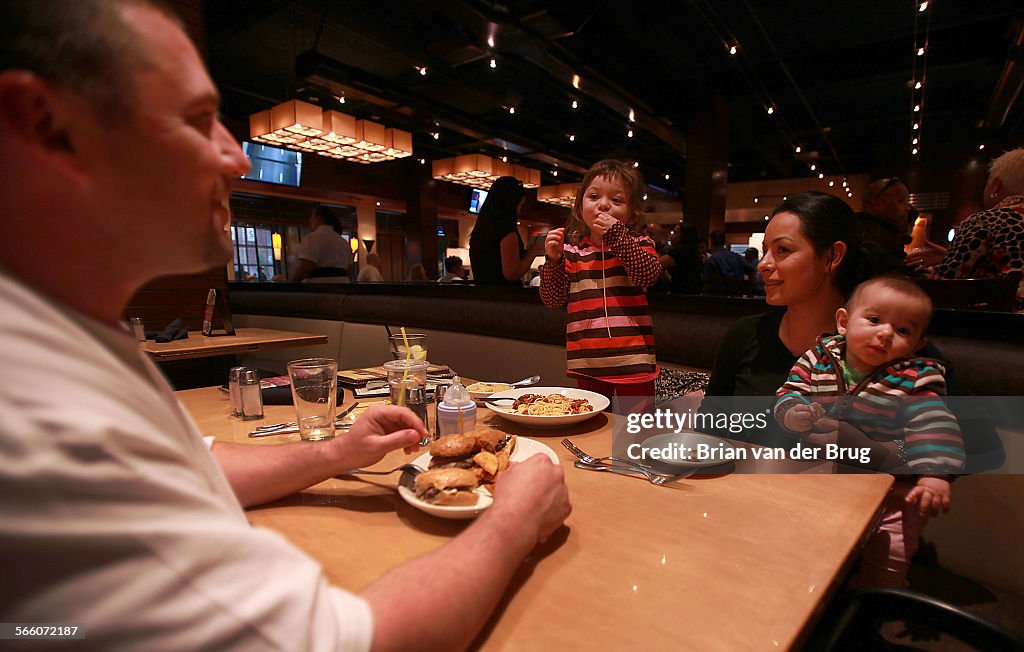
point(324, 255)
point(116, 515)
point(370, 272)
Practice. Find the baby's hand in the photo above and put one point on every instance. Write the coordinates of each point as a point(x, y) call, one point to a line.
point(933, 493)
point(553, 243)
point(799, 418)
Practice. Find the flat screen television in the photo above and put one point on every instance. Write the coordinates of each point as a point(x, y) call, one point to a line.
point(273, 164)
point(476, 200)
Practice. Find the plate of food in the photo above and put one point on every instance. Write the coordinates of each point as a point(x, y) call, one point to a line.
point(482, 390)
point(547, 407)
point(462, 468)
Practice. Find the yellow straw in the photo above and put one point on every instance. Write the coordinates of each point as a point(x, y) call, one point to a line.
point(405, 373)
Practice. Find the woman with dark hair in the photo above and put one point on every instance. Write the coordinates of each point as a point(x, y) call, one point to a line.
point(496, 251)
point(812, 261)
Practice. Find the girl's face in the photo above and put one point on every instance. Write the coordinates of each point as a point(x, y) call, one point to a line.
point(605, 196)
point(793, 272)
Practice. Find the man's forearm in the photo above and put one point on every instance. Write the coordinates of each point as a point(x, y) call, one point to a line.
point(441, 600)
point(260, 474)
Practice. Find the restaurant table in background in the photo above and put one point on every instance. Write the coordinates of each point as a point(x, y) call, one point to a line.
point(197, 345)
point(724, 562)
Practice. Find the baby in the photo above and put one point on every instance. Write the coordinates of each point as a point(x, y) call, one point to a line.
point(893, 396)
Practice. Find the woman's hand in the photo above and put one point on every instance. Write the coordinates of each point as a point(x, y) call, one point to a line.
point(928, 255)
point(553, 244)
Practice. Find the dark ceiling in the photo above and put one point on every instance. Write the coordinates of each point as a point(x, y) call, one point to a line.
point(837, 73)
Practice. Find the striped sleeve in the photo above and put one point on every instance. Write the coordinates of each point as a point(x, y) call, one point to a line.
point(637, 255)
point(554, 283)
point(797, 388)
point(933, 443)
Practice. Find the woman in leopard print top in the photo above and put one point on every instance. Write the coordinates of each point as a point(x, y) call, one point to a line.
point(991, 242)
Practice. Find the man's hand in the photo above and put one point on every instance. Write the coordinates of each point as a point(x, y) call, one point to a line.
point(933, 493)
point(928, 255)
point(553, 244)
point(799, 418)
point(533, 495)
point(380, 430)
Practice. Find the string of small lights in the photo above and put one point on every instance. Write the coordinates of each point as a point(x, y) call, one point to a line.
point(919, 75)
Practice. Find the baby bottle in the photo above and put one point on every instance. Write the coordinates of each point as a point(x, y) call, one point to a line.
point(457, 412)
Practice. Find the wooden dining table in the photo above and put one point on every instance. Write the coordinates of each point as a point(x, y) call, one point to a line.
point(197, 345)
point(738, 560)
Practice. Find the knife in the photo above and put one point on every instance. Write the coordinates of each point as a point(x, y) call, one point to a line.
point(290, 427)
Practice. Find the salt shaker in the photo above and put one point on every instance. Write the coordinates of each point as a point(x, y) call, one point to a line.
point(138, 329)
point(252, 400)
point(234, 391)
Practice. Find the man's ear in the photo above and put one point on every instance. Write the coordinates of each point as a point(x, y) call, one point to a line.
point(842, 320)
point(32, 112)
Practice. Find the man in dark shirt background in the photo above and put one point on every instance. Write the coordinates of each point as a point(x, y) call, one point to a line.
point(885, 220)
point(722, 264)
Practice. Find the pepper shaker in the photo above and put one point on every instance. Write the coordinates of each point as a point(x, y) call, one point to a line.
point(252, 400)
point(235, 391)
point(138, 329)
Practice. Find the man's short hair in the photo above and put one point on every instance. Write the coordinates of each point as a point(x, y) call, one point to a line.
point(451, 262)
point(83, 45)
point(717, 238)
point(902, 284)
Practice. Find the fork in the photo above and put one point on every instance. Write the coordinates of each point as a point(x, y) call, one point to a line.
point(411, 468)
point(652, 476)
point(590, 459)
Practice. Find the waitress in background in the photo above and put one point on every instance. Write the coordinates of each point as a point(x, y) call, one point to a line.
point(496, 251)
point(324, 255)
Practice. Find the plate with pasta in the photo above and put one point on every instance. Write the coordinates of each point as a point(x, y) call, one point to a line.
point(547, 407)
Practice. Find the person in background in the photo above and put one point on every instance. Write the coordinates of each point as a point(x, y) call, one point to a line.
point(659, 234)
point(988, 243)
point(751, 255)
point(894, 395)
point(884, 222)
point(601, 270)
point(683, 262)
point(496, 252)
point(370, 272)
point(723, 263)
point(120, 517)
point(324, 255)
point(456, 272)
point(417, 274)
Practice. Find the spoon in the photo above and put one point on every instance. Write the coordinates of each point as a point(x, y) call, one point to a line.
point(526, 381)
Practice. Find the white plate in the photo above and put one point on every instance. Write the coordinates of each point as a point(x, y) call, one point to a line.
point(479, 395)
point(525, 449)
point(600, 404)
point(675, 442)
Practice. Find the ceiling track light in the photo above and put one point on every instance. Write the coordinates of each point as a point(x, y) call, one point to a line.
point(770, 109)
point(494, 63)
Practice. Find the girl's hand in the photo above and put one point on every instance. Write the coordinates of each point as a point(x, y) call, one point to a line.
point(553, 244)
point(799, 418)
point(602, 222)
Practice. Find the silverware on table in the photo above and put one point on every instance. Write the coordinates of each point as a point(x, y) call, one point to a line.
point(405, 468)
point(608, 458)
point(653, 477)
point(526, 381)
point(289, 427)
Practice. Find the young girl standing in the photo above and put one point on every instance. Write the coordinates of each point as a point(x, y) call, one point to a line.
point(599, 267)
